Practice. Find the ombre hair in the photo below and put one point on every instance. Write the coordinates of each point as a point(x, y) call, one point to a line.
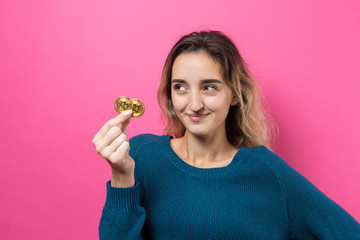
point(248, 123)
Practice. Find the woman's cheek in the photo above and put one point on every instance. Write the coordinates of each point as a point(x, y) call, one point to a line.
point(213, 103)
point(179, 103)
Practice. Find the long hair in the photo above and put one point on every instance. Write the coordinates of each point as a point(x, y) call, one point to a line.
point(248, 123)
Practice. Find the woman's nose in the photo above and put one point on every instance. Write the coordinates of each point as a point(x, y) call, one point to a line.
point(196, 103)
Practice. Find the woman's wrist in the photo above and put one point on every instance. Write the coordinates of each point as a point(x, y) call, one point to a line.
point(122, 180)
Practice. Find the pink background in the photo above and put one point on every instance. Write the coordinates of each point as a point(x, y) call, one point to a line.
point(63, 64)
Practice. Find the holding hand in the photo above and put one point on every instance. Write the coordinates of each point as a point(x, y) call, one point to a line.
point(111, 142)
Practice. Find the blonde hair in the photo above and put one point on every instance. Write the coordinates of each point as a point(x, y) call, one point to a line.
point(248, 123)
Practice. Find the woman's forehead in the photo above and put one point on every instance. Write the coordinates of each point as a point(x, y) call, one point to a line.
point(196, 65)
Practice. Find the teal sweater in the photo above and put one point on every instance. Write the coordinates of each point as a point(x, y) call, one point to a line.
point(257, 196)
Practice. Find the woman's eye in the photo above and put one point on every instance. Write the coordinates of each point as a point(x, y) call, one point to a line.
point(210, 88)
point(179, 87)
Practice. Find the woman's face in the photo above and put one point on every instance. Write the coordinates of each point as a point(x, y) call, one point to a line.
point(199, 94)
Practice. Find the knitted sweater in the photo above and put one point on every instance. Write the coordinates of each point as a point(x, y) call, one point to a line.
point(257, 196)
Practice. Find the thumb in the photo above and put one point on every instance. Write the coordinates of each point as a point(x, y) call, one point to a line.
point(126, 118)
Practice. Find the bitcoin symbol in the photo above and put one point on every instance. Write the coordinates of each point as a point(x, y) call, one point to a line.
point(124, 103)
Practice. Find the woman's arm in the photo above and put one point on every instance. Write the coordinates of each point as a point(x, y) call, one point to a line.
point(312, 215)
point(122, 216)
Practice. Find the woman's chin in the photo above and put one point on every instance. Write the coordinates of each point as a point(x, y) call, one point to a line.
point(198, 132)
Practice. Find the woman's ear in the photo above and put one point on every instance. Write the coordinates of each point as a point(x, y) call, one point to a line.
point(234, 101)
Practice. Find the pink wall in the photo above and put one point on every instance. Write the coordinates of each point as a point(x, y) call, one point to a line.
point(63, 63)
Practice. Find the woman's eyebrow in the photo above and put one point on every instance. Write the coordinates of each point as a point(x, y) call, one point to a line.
point(178, 81)
point(211, 81)
point(206, 81)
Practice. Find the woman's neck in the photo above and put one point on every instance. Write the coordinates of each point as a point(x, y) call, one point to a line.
point(204, 151)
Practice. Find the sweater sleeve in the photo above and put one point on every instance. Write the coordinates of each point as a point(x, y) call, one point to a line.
point(312, 215)
point(123, 215)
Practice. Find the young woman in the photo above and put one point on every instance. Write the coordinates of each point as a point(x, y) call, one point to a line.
point(213, 176)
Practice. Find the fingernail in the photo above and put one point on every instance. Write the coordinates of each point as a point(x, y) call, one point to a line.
point(127, 113)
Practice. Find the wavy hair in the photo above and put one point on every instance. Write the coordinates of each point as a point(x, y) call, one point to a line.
point(248, 123)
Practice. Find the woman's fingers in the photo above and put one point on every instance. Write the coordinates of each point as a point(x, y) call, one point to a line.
point(117, 142)
point(122, 120)
point(111, 142)
point(119, 156)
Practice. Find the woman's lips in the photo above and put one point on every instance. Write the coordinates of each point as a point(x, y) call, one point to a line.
point(196, 117)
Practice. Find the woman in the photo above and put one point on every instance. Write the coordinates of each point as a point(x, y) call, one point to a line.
point(213, 176)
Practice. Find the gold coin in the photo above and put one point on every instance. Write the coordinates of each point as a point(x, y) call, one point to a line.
point(138, 108)
point(122, 104)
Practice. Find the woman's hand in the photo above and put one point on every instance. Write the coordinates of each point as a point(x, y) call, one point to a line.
point(111, 142)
